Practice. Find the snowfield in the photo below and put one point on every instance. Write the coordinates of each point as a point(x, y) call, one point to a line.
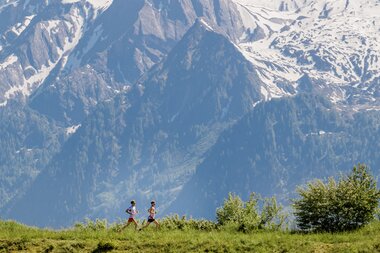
point(334, 43)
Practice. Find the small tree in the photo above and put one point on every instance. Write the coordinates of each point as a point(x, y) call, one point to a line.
point(272, 215)
point(232, 210)
point(248, 216)
point(338, 206)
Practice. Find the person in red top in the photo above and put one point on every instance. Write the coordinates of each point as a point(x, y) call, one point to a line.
point(132, 211)
point(151, 218)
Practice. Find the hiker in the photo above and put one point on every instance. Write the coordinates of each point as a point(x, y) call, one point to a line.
point(132, 211)
point(152, 213)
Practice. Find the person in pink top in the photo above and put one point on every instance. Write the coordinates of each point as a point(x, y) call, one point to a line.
point(132, 211)
point(152, 214)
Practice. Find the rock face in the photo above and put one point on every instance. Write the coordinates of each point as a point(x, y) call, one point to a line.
point(103, 101)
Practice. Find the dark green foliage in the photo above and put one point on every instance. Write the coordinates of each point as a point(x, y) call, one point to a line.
point(104, 247)
point(248, 216)
point(338, 206)
point(176, 223)
point(96, 225)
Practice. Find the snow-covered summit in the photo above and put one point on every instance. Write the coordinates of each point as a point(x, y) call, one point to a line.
point(335, 43)
point(313, 6)
point(97, 4)
point(36, 41)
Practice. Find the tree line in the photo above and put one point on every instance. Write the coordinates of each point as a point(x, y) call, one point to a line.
point(345, 204)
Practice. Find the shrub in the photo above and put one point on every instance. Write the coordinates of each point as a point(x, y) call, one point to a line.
point(97, 225)
point(175, 222)
point(231, 211)
point(338, 206)
point(248, 216)
point(272, 215)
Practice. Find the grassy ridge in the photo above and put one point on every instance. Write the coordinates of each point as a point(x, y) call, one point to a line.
point(18, 238)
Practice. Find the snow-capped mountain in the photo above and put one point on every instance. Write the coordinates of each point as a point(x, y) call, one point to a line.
point(39, 40)
point(151, 139)
point(116, 41)
point(334, 43)
point(101, 97)
point(62, 58)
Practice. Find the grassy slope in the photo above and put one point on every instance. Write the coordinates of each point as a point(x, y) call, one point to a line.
point(15, 237)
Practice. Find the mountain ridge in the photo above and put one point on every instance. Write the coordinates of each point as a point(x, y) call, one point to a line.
point(103, 101)
point(145, 134)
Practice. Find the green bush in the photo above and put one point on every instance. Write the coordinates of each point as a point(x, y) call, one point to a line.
point(232, 210)
point(338, 206)
point(248, 216)
point(174, 222)
point(97, 225)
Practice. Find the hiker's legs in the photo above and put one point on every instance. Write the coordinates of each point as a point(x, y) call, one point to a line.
point(126, 225)
point(136, 224)
point(157, 224)
point(147, 224)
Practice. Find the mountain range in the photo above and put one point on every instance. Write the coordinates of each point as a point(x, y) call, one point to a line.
point(106, 101)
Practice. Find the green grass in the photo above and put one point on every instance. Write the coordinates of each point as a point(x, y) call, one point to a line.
point(18, 238)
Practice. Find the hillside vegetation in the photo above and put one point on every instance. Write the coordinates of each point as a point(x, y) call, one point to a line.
point(98, 237)
point(338, 216)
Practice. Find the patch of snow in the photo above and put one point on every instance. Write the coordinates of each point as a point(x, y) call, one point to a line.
point(71, 130)
point(264, 92)
point(337, 96)
point(100, 4)
point(96, 4)
point(51, 26)
point(205, 24)
point(275, 5)
point(8, 61)
point(374, 108)
point(8, 3)
point(256, 103)
point(27, 86)
point(70, 1)
point(20, 27)
point(319, 133)
point(39, 77)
